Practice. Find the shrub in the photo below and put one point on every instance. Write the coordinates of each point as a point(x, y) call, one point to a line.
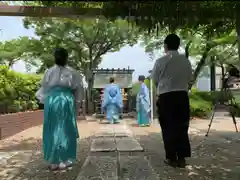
point(17, 91)
point(201, 103)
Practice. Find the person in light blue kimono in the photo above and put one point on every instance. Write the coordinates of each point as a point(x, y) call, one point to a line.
point(143, 104)
point(112, 102)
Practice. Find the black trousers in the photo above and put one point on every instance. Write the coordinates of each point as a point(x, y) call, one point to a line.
point(174, 116)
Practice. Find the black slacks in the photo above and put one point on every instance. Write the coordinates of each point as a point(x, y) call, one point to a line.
point(174, 116)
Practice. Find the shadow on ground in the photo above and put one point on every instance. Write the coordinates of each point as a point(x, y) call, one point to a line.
point(28, 162)
point(216, 157)
point(22, 158)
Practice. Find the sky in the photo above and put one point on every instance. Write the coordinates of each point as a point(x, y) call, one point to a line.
point(133, 57)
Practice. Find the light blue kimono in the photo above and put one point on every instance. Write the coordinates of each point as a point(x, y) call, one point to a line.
point(112, 102)
point(143, 106)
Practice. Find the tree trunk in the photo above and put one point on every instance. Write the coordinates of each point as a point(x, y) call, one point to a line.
point(238, 28)
point(199, 66)
point(187, 49)
point(222, 77)
point(89, 97)
point(90, 84)
point(10, 64)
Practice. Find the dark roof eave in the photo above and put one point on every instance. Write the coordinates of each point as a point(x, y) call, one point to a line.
point(39, 11)
point(42, 11)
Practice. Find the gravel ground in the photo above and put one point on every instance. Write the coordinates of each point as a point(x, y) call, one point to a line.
point(215, 157)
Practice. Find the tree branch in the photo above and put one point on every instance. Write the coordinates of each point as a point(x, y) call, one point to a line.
point(187, 48)
point(104, 51)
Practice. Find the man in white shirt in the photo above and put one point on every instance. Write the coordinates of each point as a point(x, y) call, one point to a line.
point(172, 74)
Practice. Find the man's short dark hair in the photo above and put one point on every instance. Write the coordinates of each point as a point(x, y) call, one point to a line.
point(61, 56)
point(111, 80)
point(172, 42)
point(141, 78)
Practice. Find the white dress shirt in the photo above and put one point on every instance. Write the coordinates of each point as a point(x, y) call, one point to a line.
point(172, 72)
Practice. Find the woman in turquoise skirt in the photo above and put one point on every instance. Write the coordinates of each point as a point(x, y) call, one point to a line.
point(143, 104)
point(61, 91)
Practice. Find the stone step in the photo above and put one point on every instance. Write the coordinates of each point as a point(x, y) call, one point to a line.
point(106, 168)
point(136, 168)
point(122, 144)
point(114, 137)
point(99, 168)
point(128, 144)
point(114, 130)
point(103, 144)
point(105, 131)
point(122, 132)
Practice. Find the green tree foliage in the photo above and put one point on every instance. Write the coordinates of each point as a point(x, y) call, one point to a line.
point(17, 91)
point(13, 50)
point(173, 14)
point(200, 42)
point(157, 14)
point(86, 40)
point(206, 40)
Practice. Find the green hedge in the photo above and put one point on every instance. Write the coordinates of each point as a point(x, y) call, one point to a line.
point(201, 103)
point(17, 91)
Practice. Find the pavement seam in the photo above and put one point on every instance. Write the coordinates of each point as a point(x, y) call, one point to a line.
point(117, 151)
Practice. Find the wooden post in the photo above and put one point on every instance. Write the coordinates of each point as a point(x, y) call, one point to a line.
point(212, 75)
point(151, 100)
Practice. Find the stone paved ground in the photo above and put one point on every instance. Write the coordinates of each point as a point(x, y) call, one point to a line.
point(216, 157)
point(27, 163)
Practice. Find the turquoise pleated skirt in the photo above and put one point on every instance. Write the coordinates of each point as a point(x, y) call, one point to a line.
point(60, 131)
point(143, 118)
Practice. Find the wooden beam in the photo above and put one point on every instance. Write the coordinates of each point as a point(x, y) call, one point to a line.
point(38, 11)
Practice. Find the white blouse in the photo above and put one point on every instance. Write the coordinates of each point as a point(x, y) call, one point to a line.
point(64, 77)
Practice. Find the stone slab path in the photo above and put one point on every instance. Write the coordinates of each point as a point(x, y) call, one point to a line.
point(128, 144)
point(116, 138)
point(103, 144)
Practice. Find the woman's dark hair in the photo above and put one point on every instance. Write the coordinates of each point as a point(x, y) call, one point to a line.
point(172, 41)
point(141, 78)
point(111, 80)
point(61, 56)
